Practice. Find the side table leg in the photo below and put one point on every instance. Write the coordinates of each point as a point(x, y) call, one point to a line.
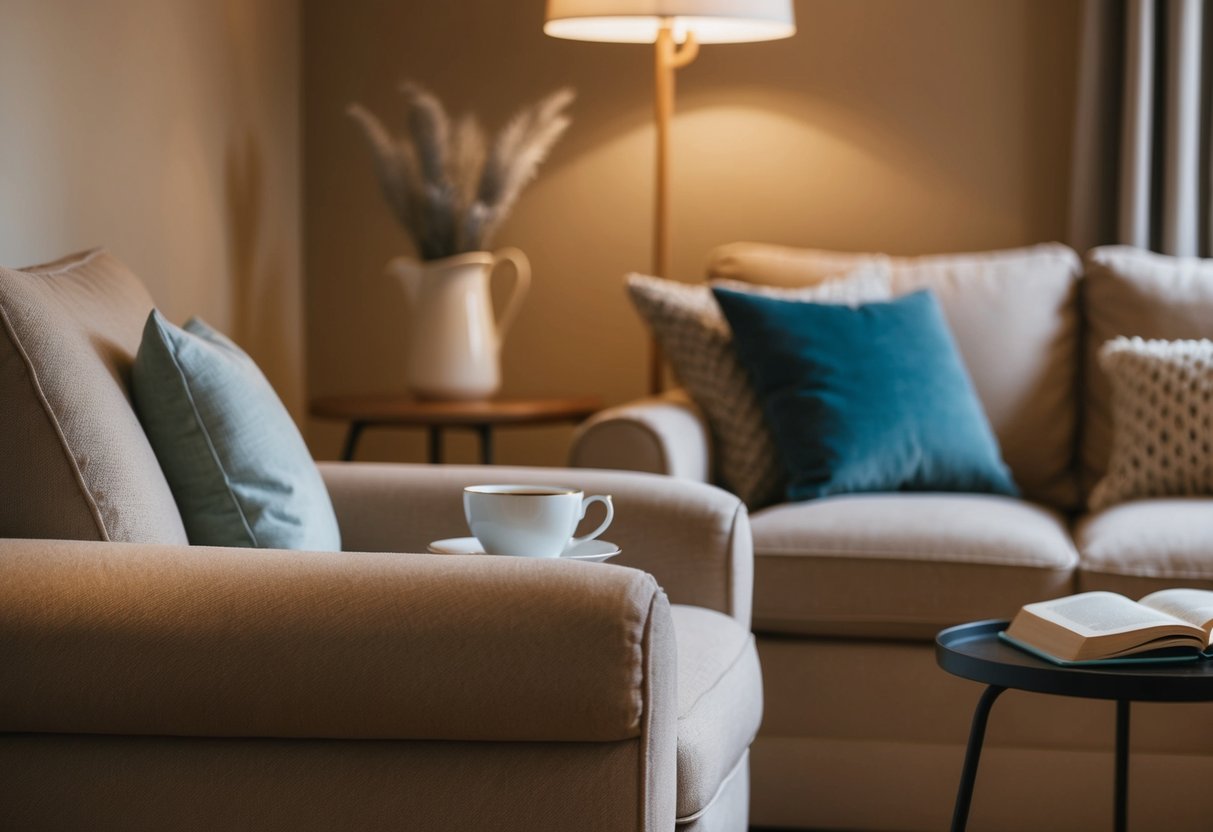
point(486, 444)
point(1121, 796)
point(351, 441)
point(435, 444)
point(968, 775)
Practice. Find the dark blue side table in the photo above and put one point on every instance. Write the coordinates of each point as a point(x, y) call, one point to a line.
point(974, 651)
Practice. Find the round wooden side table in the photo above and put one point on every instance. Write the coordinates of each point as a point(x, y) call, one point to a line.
point(387, 410)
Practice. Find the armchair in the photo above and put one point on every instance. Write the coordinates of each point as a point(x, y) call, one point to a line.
point(149, 684)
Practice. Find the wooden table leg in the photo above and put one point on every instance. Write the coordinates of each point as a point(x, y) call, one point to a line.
point(435, 445)
point(486, 444)
point(351, 441)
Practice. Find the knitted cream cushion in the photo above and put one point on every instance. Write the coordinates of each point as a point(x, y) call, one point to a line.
point(697, 341)
point(1162, 420)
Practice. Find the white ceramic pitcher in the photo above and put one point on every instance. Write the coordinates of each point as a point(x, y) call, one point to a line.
point(454, 344)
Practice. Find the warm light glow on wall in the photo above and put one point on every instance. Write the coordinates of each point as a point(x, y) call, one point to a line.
point(676, 28)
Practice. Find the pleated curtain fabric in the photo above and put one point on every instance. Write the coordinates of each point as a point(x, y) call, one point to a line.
point(1143, 159)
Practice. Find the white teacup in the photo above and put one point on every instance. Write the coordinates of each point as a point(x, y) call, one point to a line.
point(530, 521)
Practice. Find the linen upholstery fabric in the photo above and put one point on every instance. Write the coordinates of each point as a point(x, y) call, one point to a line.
point(220, 642)
point(133, 784)
point(866, 398)
point(1162, 418)
point(904, 565)
point(664, 434)
point(1138, 547)
point(76, 463)
point(1014, 315)
point(855, 597)
point(696, 339)
point(694, 538)
point(238, 468)
point(830, 732)
point(730, 808)
point(1129, 292)
point(719, 704)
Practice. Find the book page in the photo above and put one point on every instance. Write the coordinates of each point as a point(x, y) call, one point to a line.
point(1100, 613)
point(1192, 605)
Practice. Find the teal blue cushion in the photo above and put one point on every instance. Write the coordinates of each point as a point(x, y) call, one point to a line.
point(237, 466)
point(873, 397)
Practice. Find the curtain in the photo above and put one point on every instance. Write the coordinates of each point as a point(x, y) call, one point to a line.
point(1142, 158)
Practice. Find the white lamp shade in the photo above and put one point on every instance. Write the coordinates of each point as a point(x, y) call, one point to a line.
point(638, 21)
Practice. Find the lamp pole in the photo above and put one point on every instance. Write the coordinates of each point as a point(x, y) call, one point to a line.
point(670, 56)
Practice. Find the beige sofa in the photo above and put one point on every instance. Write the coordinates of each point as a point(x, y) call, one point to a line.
point(149, 685)
point(861, 730)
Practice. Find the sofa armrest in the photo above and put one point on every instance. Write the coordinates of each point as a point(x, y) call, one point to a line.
point(694, 538)
point(665, 434)
point(127, 639)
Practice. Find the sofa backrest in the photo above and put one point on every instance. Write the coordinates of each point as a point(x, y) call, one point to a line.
point(1015, 318)
point(74, 461)
point(1132, 292)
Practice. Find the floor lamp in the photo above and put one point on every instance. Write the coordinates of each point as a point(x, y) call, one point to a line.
point(677, 28)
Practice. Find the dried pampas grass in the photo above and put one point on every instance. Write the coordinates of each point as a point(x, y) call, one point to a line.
point(447, 185)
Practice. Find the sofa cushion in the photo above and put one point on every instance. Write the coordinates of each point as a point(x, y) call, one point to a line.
point(241, 473)
point(866, 398)
point(719, 703)
point(1132, 292)
point(1146, 545)
point(904, 565)
point(1015, 319)
point(1162, 420)
point(76, 462)
point(697, 340)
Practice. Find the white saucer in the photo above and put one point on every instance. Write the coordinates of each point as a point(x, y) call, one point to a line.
point(591, 551)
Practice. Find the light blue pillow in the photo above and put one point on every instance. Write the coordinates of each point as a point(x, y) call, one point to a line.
point(237, 466)
point(873, 397)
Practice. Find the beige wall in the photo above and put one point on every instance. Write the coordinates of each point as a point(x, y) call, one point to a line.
point(167, 131)
point(898, 125)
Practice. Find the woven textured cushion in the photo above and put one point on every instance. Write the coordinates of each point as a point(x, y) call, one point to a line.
point(1015, 317)
point(696, 340)
point(1131, 292)
point(236, 463)
point(867, 398)
point(75, 462)
point(1162, 418)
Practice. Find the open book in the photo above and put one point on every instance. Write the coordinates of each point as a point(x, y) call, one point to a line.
point(1169, 625)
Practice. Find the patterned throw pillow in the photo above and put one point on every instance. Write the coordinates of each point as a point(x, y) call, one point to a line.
point(1162, 420)
point(696, 340)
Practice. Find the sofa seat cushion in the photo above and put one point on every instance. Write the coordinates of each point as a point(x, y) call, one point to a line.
point(76, 463)
point(904, 565)
point(1138, 547)
point(719, 703)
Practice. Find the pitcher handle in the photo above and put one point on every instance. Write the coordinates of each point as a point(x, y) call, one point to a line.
point(522, 284)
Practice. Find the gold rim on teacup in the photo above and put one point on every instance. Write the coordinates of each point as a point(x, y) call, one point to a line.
point(523, 490)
